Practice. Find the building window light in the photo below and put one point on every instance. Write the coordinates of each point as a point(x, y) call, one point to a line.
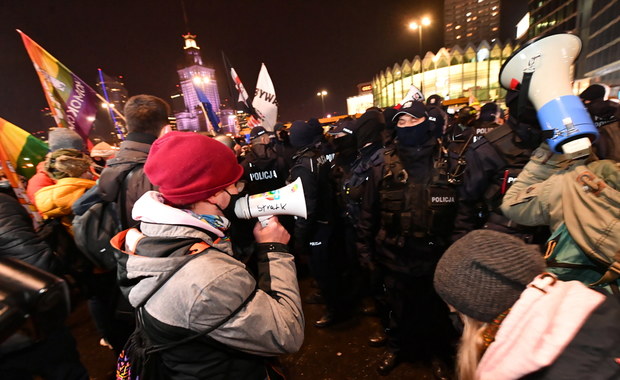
point(468, 14)
point(457, 27)
point(458, 37)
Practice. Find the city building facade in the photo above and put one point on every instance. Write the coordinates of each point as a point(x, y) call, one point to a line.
point(194, 73)
point(451, 73)
point(363, 100)
point(596, 22)
point(471, 21)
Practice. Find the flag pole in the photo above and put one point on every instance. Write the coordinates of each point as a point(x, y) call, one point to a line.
point(119, 131)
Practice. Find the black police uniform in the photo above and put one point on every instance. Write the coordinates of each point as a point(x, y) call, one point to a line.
point(402, 224)
point(263, 169)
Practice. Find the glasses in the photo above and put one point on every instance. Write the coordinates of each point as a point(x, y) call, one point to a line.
point(240, 185)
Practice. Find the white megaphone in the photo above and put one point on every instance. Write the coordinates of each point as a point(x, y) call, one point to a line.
point(287, 200)
point(549, 60)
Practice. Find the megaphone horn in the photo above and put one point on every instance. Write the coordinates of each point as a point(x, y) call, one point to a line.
point(548, 60)
point(287, 200)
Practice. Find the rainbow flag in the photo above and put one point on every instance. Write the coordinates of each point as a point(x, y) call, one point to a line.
point(20, 152)
point(72, 101)
point(23, 150)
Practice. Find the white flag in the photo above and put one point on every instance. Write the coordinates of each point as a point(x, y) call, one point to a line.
point(264, 102)
point(413, 94)
point(243, 94)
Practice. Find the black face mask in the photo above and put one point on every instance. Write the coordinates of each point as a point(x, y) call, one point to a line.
point(229, 211)
point(413, 136)
point(343, 143)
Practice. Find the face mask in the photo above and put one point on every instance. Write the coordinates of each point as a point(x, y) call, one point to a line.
point(344, 143)
point(229, 211)
point(413, 136)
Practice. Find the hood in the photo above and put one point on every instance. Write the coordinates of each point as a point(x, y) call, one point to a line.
point(538, 328)
point(151, 209)
point(56, 200)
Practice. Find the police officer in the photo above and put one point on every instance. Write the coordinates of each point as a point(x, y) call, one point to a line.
point(282, 144)
point(493, 163)
point(311, 235)
point(263, 169)
point(369, 132)
point(404, 213)
point(340, 294)
point(606, 116)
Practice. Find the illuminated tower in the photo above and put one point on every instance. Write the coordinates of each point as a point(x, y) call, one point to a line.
point(471, 21)
point(193, 73)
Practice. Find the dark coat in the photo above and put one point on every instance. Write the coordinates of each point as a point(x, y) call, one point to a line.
point(263, 169)
point(132, 152)
point(18, 238)
point(417, 256)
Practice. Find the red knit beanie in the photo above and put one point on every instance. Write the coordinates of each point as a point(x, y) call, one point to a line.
point(189, 167)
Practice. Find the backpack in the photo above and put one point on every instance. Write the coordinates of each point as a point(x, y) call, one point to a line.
point(74, 267)
point(569, 262)
point(139, 358)
point(99, 222)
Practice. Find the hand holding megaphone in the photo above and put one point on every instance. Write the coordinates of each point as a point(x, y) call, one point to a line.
point(542, 66)
point(287, 200)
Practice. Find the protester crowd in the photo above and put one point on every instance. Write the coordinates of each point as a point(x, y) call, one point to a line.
point(483, 253)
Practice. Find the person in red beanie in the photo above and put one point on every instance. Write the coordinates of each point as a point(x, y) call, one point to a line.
point(182, 242)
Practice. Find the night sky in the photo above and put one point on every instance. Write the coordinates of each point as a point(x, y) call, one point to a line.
point(306, 45)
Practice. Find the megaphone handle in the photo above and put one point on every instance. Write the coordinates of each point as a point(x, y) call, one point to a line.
point(264, 220)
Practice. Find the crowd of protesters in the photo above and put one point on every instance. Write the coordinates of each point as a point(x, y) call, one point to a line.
point(457, 230)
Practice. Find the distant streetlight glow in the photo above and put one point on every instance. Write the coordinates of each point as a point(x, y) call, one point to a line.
point(419, 25)
point(322, 95)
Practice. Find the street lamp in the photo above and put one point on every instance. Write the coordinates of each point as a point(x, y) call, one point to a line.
point(418, 25)
point(322, 95)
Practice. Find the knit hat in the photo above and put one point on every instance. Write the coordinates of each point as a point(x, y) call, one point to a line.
point(368, 128)
point(189, 167)
point(595, 91)
point(64, 138)
point(103, 149)
point(484, 273)
point(314, 122)
point(303, 134)
point(414, 109)
point(434, 100)
point(490, 111)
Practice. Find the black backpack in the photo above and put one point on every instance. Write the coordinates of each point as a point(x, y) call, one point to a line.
point(98, 222)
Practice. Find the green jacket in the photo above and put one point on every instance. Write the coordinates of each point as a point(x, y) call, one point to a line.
point(552, 190)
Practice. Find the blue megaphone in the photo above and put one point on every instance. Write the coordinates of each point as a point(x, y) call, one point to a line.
point(547, 61)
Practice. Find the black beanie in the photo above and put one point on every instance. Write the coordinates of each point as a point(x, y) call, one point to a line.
point(368, 128)
point(484, 273)
point(303, 134)
point(314, 122)
point(594, 91)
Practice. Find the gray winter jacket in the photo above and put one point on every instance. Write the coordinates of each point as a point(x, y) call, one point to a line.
point(210, 287)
